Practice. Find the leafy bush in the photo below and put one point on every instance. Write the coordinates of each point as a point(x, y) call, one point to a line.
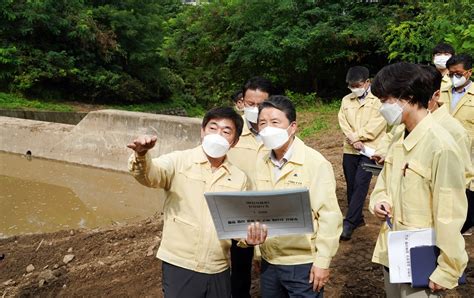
point(98, 51)
point(422, 25)
point(134, 51)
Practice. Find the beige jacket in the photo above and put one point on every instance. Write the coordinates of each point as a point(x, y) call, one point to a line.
point(423, 180)
point(189, 236)
point(361, 121)
point(464, 110)
point(244, 154)
point(306, 168)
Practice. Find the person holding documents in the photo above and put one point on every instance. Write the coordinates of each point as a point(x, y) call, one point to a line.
point(195, 261)
point(422, 182)
point(363, 127)
point(296, 266)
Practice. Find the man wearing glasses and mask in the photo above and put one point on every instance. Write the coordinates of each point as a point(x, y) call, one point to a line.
point(460, 101)
point(244, 156)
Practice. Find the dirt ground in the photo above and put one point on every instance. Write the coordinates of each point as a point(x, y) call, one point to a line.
point(120, 261)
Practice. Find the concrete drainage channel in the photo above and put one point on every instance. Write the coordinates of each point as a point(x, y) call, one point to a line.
point(99, 139)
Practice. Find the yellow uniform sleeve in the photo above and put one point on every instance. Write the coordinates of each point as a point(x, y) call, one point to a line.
point(383, 145)
point(380, 192)
point(374, 127)
point(449, 214)
point(157, 172)
point(344, 123)
point(466, 144)
point(327, 214)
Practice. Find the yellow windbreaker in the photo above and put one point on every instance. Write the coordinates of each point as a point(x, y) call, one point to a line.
point(423, 180)
point(306, 168)
point(361, 121)
point(189, 236)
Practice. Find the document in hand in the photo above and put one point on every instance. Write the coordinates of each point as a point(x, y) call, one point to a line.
point(367, 151)
point(284, 212)
point(424, 260)
point(399, 245)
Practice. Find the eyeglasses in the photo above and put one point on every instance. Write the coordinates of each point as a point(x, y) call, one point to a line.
point(458, 75)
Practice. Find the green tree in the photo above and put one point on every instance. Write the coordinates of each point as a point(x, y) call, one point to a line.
point(423, 24)
point(304, 46)
point(105, 51)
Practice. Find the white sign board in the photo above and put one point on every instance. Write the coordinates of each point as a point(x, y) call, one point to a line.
point(285, 212)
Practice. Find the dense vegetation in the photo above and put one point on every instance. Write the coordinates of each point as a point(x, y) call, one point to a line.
point(134, 51)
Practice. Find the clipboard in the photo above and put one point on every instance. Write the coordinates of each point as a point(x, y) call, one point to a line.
point(373, 168)
point(423, 261)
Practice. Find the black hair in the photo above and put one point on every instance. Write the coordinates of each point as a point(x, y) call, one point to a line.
point(258, 83)
point(463, 59)
point(236, 96)
point(405, 81)
point(433, 75)
point(225, 113)
point(443, 48)
point(357, 74)
point(281, 103)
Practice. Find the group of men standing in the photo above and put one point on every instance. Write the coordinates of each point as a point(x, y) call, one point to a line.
point(418, 122)
point(421, 185)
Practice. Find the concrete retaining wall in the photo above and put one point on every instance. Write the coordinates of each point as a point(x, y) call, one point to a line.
point(58, 117)
point(100, 139)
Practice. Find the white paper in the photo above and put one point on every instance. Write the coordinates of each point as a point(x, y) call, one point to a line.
point(367, 151)
point(285, 212)
point(399, 245)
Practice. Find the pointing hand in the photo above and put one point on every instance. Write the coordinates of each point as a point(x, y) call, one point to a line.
point(142, 144)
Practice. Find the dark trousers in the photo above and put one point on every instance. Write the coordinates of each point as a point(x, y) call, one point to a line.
point(281, 281)
point(470, 211)
point(241, 270)
point(358, 181)
point(179, 282)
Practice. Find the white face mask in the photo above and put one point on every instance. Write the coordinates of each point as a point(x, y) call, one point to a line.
point(215, 145)
point(274, 137)
point(440, 61)
point(251, 114)
point(358, 91)
point(392, 113)
point(458, 82)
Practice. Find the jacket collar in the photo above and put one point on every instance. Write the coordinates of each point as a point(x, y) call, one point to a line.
point(418, 132)
point(440, 113)
point(297, 154)
point(247, 129)
point(199, 157)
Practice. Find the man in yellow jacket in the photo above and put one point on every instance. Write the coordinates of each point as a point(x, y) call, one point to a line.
point(296, 266)
point(441, 54)
point(441, 115)
point(195, 261)
point(363, 127)
point(422, 182)
point(460, 102)
point(244, 156)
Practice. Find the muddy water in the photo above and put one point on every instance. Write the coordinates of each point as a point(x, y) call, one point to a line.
point(44, 196)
